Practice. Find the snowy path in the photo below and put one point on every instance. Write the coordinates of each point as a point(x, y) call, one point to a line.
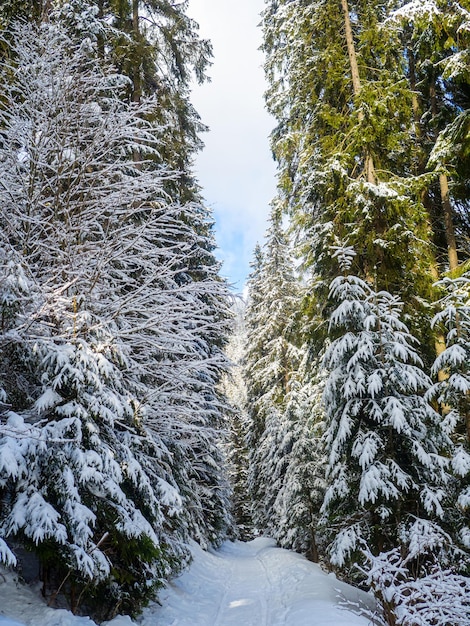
point(242, 584)
point(256, 584)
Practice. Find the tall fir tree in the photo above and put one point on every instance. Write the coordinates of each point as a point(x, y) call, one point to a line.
point(434, 38)
point(235, 389)
point(452, 391)
point(338, 90)
point(271, 360)
point(77, 489)
point(299, 499)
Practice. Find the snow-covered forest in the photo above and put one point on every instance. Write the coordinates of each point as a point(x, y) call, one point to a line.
point(113, 313)
point(357, 361)
point(142, 407)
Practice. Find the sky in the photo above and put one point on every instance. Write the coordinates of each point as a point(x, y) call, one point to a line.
point(235, 170)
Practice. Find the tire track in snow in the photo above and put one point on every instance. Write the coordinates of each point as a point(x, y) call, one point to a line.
point(265, 596)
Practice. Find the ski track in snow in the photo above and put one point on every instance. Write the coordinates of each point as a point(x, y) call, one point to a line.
point(241, 584)
point(257, 584)
point(241, 602)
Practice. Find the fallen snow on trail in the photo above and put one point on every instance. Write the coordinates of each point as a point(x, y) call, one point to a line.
point(257, 584)
point(241, 584)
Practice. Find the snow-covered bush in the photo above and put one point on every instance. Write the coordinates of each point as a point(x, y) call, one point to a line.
point(415, 583)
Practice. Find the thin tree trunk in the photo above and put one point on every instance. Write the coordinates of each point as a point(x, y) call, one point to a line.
point(369, 168)
point(351, 49)
point(445, 201)
point(439, 340)
point(137, 92)
point(414, 97)
point(136, 79)
point(100, 40)
point(467, 424)
point(45, 9)
point(448, 222)
point(312, 554)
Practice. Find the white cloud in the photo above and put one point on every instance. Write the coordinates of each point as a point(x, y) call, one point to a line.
point(235, 169)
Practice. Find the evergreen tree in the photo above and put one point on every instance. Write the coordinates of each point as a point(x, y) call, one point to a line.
point(298, 502)
point(344, 113)
point(383, 439)
point(159, 49)
point(77, 491)
point(435, 37)
point(234, 388)
point(270, 362)
point(156, 45)
point(452, 392)
point(113, 431)
point(371, 105)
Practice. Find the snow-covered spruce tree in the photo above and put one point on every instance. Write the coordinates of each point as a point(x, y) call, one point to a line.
point(157, 45)
point(98, 239)
point(298, 502)
point(173, 322)
point(452, 392)
point(16, 297)
point(76, 492)
point(234, 388)
point(383, 439)
point(271, 359)
point(268, 464)
point(159, 54)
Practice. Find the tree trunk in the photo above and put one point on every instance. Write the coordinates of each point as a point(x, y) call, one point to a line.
point(136, 79)
point(467, 425)
point(351, 49)
point(369, 168)
point(448, 223)
point(439, 341)
point(137, 91)
point(445, 199)
point(44, 8)
point(100, 39)
point(414, 100)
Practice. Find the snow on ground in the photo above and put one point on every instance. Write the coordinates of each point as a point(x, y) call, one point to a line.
point(256, 584)
point(241, 584)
